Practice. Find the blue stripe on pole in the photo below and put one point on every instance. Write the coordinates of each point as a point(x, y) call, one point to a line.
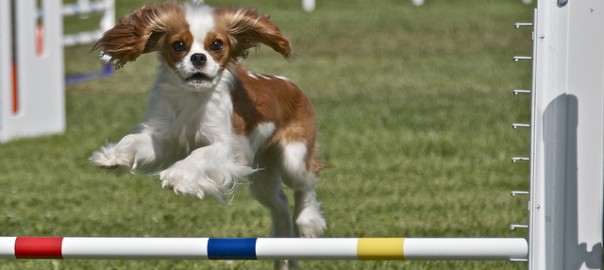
point(232, 249)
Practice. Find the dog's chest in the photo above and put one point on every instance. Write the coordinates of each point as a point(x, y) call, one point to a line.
point(199, 122)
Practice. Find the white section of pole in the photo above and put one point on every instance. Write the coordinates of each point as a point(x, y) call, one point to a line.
point(134, 248)
point(465, 248)
point(307, 248)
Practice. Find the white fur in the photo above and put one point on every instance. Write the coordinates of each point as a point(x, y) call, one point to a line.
point(252, 75)
point(294, 165)
point(293, 157)
point(263, 77)
point(283, 78)
point(258, 137)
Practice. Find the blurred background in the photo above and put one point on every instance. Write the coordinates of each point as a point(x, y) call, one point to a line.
point(415, 108)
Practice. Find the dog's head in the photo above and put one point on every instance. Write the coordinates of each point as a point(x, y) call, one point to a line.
point(196, 41)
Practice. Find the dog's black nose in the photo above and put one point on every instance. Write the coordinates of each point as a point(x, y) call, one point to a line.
point(198, 59)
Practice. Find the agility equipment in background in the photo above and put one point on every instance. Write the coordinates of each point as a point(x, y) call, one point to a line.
point(567, 144)
point(32, 100)
point(567, 135)
point(84, 8)
point(32, 83)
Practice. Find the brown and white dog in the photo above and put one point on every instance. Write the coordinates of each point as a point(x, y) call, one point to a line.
point(209, 121)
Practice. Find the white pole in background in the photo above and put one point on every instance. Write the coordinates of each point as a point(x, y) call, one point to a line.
point(308, 5)
point(6, 59)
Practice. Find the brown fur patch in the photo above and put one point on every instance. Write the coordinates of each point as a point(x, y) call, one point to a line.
point(271, 99)
point(143, 31)
point(246, 28)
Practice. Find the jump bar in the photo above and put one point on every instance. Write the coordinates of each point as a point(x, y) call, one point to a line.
point(514, 249)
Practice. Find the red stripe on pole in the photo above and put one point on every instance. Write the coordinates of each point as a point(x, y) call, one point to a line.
point(39, 40)
point(38, 247)
point(15, 89)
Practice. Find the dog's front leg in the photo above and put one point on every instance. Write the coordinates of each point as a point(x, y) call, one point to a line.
point(211, 170)
point(131, 152)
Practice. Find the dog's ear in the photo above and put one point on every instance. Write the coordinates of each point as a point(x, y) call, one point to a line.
point(141, 32)
point(246, 28)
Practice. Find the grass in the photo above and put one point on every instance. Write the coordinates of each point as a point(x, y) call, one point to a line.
point(415, 111)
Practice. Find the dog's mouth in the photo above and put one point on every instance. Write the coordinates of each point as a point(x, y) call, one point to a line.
point(198, 78)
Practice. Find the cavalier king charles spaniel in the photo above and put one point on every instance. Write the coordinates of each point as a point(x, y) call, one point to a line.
point(210, 123)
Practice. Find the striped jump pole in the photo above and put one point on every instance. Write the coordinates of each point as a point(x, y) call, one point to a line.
point(515, 249)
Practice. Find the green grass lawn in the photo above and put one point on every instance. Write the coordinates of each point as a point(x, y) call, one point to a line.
point(415, 110)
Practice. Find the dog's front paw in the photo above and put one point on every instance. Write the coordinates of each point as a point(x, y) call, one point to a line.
point(111, 158)
point(185, 177)
point(181, 179)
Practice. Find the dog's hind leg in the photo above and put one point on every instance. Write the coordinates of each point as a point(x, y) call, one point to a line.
point(266, 188)
point(309, 220)
point(299, 174)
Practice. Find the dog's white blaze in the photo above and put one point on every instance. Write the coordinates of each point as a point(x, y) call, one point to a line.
point(201, 20)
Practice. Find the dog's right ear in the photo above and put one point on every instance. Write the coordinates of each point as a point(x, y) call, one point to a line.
point(141, 32)
point(247, 28)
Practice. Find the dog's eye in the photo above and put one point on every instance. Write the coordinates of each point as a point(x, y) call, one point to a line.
point(216, 45)
point(178, 46)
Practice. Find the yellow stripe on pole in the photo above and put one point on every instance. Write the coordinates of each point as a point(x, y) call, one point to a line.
point(380, 249)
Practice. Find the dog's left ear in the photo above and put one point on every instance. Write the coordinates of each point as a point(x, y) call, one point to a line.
point(246, 28)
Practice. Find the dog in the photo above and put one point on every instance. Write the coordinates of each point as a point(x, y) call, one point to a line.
point(210, 123)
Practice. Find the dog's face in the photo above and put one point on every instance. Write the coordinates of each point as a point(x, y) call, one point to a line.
point(194, 50)
point(196, 41)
